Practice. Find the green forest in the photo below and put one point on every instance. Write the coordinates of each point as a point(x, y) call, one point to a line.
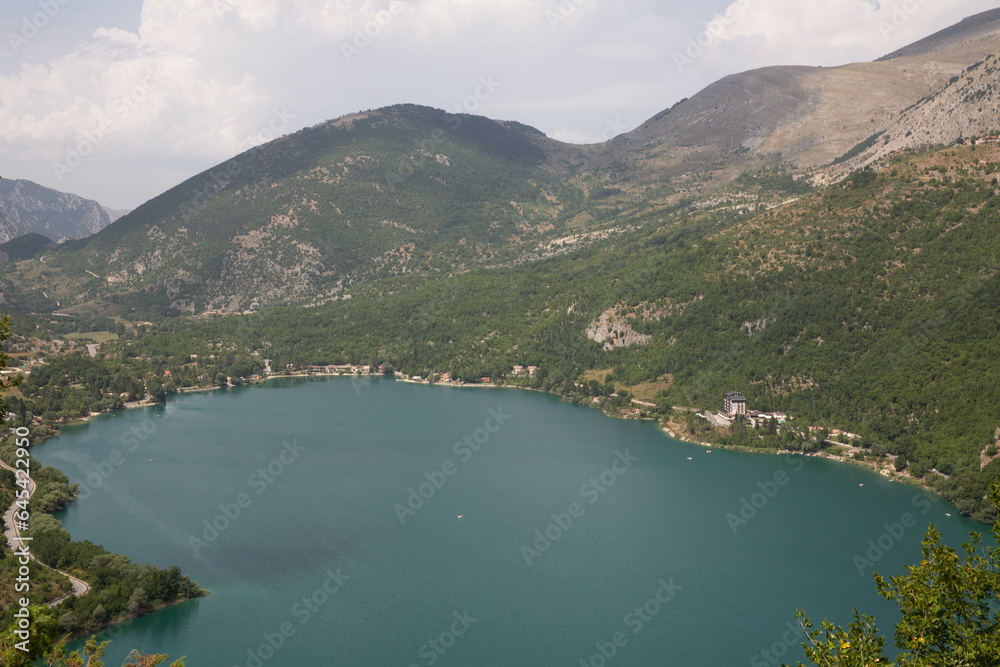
point(870, 306)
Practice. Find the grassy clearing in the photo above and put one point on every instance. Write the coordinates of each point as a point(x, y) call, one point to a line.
point(597, 375)
point(96, 336)
point(647, 391)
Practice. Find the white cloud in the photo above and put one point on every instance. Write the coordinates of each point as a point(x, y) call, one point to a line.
point(185, 89)
point(834, 32)
point(574, 137)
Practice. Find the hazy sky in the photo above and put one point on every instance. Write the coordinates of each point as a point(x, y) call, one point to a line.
point(118, 100)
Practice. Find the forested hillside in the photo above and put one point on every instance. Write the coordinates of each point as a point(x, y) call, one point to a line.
point(870, 305)
point(380, 193)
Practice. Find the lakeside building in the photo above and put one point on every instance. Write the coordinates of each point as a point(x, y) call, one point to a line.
point(734, 403)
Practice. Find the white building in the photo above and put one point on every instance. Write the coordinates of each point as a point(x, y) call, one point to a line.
point(734, 403)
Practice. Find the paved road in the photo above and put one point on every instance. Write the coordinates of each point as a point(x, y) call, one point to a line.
point(11, 533)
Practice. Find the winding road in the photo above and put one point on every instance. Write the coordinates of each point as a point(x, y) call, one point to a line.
point(12, 534)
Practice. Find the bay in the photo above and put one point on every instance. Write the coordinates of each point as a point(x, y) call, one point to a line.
point(633, 538)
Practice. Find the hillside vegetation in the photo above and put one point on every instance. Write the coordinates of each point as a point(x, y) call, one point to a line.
point(872, 305)
point(382, 193)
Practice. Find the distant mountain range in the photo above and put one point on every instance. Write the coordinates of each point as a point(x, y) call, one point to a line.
point(810, 236)
point(27, 207)
point(813, 118)
point(408, 189)
point(114, 214)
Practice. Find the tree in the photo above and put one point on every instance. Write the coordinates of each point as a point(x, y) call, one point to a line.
point(42, 631)
point(6, 383)
point(156, 388)
point(138, 602)
point(42, 645)
point(950, 607)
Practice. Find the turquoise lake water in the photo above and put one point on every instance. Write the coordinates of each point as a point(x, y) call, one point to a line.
point(332, 560)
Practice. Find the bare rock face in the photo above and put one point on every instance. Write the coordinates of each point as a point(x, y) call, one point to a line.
point(984, 458)
point(933, 91)
point(613, 329)
point(27, 207)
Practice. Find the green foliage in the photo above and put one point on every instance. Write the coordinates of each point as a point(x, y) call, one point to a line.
point(43, 630)
point(867, 307)
point(773, 181)
point(950, 607)
point(44, 646)
point(391, 191)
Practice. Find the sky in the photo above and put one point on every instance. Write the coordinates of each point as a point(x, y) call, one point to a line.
point(119, 100)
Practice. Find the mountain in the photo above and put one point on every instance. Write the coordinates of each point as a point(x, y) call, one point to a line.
point(115, 214)
point(27, 207)
point(24, 247)
point(384, 192)
point(871, 305)
point(762, 236)
point(409, 189)
point(967, 108)
point(808, 117)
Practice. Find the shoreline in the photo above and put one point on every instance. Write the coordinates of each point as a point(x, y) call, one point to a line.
point(127, 620)
point(887, 473)
point(667, 430)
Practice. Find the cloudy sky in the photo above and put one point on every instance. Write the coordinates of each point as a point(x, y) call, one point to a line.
point(118, 100)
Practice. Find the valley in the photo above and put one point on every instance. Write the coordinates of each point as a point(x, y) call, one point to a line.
point(823, 240)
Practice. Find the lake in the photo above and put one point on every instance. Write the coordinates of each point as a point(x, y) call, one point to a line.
point(376, 522)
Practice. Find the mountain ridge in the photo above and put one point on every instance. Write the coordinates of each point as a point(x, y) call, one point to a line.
point(408, 188)
point(27, 207)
